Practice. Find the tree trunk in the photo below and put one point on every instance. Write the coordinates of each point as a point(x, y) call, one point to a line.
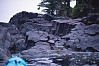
point(68, 8)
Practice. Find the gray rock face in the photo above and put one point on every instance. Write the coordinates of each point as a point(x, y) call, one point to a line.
point(28, 26)
point(35, 24)
point(21, 17)
point(13, 30)
point(4, 44)
point(37, 51)
point(17, 42)
point(37, 36)
point(20, 44)
point(84, 38)
point(26, 21)
point(42, 25)
point(25, 32)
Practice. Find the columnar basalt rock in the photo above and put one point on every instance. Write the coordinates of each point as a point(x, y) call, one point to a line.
point(62, 27)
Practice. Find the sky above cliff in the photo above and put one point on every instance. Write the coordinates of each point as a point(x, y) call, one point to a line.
point(8, 8)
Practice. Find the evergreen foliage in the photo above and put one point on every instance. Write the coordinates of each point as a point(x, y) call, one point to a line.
point(62, 7)
point(80, 10)
point(56, 7)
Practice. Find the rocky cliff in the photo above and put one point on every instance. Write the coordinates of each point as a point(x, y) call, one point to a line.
point(32, 35)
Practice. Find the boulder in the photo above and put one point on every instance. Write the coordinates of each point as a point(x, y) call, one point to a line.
point(92, 29)
point(51, 41)
point(42, 43)
point(60, 43)
point(63, 18)
point(92, 18)
point(37, 36)
point(21, 17)
point(84, 38)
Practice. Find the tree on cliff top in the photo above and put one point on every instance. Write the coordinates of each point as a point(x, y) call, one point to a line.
point(56, 7)
point(84, 7)
point(62, 7)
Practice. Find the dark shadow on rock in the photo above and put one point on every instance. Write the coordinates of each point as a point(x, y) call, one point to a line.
point(63, 61)
point(90, 49)
point(30, 44)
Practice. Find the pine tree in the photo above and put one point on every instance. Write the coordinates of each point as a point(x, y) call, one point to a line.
point(56, 7)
